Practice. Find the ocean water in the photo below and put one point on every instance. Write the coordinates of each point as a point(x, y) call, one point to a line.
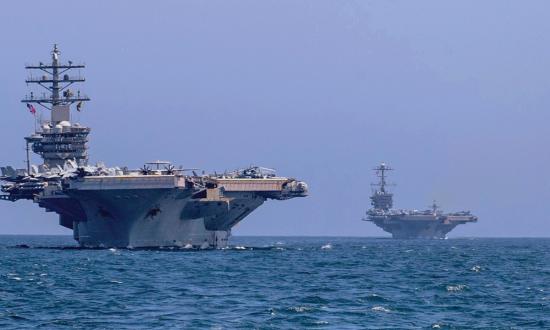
point(278, 283)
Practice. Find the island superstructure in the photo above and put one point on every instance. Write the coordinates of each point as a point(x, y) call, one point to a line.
point(432, 223)
point(153, 206)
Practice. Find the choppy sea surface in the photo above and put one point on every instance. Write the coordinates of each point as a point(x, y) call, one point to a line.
point(278, 283)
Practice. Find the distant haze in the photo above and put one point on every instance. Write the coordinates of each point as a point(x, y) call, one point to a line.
point(454, 95)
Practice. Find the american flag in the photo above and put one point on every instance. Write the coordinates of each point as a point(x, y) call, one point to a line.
point(31, 108)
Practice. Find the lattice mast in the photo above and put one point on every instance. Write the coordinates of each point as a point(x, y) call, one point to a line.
point(58, 140)
point(55, 80)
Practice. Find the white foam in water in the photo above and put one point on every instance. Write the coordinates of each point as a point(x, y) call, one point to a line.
point(380, 309)
point(326, 246)
point(188, 246)
point(301, 309)
point(476, 268)
point(240, 248)
point(455, 288)
point(112, 249)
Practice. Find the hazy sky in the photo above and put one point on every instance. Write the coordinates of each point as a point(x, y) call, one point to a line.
point(453, 94)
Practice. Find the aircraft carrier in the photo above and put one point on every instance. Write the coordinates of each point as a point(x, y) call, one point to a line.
point(430, 224)
point(157, 205)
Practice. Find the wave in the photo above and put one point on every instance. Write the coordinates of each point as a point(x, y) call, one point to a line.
point(380, 309)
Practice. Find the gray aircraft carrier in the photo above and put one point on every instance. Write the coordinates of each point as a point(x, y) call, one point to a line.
point(431, 224)
point(154, 206)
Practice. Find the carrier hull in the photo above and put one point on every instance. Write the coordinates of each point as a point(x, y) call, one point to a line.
point(410, 228)
point(158, 211)
point(140, 233)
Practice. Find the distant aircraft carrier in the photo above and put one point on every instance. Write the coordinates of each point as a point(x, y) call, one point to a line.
point(432, 223)
point(154, 206)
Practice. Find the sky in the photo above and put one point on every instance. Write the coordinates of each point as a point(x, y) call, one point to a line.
point(452, 94)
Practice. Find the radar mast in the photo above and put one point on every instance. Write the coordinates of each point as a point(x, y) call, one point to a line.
point(381, 199)
point(56, 79)
point(58, 140)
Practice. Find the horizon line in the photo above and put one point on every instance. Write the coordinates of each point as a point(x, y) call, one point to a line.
point(314, 236)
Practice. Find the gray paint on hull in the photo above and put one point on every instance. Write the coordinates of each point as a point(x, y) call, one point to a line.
point(416, 229)
point(151, 217)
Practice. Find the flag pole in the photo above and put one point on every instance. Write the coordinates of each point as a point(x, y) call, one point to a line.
point(28, 158)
